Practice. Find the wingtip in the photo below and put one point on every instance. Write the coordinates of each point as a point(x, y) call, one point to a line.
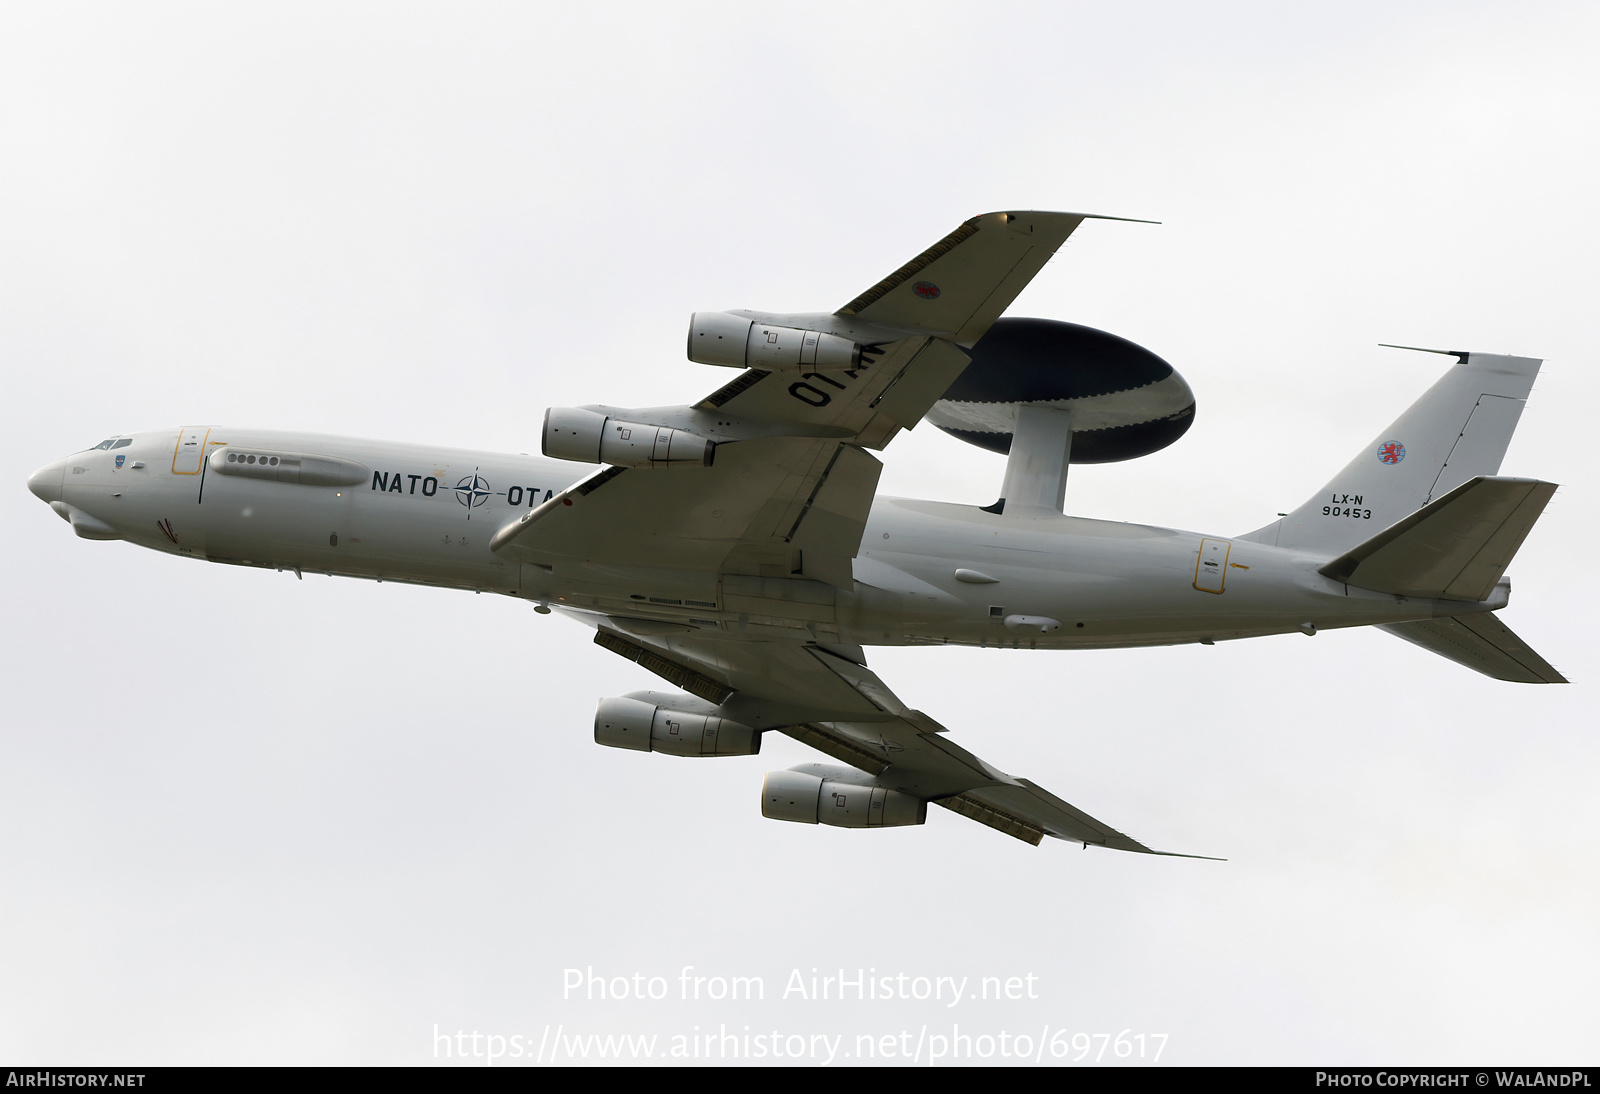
point(1127, 843)
point(1459, 354)
point(1125, 220)
point(1014, 213)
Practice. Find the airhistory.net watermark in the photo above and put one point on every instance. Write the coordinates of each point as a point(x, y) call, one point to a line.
point(47, 1078)
point(924, 1046)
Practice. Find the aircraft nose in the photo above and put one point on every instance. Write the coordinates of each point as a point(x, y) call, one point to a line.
point(45, 483)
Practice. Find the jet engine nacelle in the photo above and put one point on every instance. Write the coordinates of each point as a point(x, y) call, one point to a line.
point(587, 436)
point(719, 338)
point(820, 794)
point(645, 727)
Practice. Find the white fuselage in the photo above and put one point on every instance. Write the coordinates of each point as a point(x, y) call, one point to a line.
point(426, 515)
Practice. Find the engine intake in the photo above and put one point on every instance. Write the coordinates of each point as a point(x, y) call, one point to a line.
point(645, 727)
point(820, 794)
point(718, 338)
point(588, 436)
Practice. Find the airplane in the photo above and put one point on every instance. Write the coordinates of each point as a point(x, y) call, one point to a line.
point(736, 548)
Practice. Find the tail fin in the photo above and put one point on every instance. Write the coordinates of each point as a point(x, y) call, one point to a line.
point(1457, 431)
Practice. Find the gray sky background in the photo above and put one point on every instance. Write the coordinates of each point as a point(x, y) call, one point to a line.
point(249, 819)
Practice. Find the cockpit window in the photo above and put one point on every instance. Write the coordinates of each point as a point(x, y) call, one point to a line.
point(103, 445)
point(124, 443)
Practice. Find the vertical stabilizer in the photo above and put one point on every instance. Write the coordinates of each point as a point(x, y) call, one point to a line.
point(1457, 431)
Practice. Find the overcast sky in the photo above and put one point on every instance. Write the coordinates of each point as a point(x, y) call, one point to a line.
point(249, 819)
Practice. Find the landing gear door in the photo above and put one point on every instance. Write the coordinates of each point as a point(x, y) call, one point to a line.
point(1211, 570)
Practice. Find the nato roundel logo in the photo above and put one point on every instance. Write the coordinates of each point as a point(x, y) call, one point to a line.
point(926, 289)
point(1391, 452)
point(472, 490)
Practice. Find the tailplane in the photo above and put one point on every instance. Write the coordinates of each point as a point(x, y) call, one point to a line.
point(1455, 548)
point(1456, 432)
point(1482, 643)
point(1420, 512)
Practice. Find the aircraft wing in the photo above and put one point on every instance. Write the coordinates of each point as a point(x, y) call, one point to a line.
point(792, 481)
point(924, 314)
point(826, 697)
point(764, 535)
point(791, 500)
point(961, 284)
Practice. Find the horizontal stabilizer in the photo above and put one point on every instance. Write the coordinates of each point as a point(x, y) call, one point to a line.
point(1482, 643)
point(1455, 548)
